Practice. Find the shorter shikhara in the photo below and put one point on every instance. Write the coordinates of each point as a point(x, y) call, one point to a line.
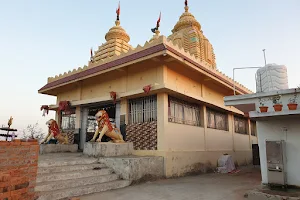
point(53, 131)
point(106, 128)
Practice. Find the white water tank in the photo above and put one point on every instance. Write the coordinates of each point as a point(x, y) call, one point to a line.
point(271, 77)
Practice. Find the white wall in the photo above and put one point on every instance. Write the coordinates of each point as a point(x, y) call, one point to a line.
point(272, 130)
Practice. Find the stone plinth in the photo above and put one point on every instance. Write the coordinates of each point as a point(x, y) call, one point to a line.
point(58, 148)
point(107, 149)
point(136, 168)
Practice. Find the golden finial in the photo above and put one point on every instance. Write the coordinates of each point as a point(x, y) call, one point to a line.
point(10, 121)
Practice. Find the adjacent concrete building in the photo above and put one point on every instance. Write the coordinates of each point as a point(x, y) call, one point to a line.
point(166, 97)
point(274, 126)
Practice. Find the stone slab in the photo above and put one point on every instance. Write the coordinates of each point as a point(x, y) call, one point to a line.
point(136, 168)
point(263, 195)
point(58, 148)
point(107, 149)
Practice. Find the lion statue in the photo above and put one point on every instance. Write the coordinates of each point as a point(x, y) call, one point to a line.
point(54, 131)
point(106, 128)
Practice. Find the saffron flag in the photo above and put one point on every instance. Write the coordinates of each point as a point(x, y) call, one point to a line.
point(118, 11)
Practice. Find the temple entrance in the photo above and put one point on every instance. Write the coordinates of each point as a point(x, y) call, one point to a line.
point(92, 124)
point(89, 124)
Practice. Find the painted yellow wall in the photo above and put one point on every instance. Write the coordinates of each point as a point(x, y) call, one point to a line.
point(183, 83)
point(188, 148)
point(184, 137)
point(130, 78)
point(241, 142)
point(185, 148)
point(218, 140)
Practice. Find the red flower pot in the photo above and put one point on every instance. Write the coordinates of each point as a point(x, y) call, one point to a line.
point(292, 106)
point(263, 109)
point(277, 107)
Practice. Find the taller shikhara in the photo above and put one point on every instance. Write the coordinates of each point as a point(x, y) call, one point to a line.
point(188, 35)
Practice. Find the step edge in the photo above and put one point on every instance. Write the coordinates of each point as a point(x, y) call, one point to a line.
point(77, 171)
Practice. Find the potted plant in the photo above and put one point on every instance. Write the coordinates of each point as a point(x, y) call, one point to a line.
point(262, 107)
point(292, 102)
point(277, 104)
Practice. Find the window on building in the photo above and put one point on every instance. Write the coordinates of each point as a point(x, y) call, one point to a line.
point(240, 125)
point(217, 120)
point(183, 112)
point(68, 120)
point(143, 109)
point(253, 128)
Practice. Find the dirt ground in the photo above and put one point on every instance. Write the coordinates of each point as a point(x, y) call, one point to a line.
point(201, 187)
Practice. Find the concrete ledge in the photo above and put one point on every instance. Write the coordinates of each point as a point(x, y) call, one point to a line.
point(136, 168)
point(107, 149)
point(58, 148)
point(261, 195)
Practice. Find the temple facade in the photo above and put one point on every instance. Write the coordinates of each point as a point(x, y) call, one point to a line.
point(166, 97)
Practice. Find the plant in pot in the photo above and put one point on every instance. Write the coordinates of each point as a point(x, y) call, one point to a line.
point(276, 103)
point(262, 106)
point(293, 101)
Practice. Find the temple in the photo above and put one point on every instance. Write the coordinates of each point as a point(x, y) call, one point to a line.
point(165, 96)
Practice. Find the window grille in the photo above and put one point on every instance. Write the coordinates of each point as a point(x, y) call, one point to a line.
point(253, 128)
point(143, 110)
point(183, 112)
point(240, 125)
point(68, 120)
point(216, 119)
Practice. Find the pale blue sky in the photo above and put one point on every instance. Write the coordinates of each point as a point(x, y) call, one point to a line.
point(40, 38)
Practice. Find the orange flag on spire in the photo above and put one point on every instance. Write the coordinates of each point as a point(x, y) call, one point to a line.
point(158, 21)
point(157, 24)
point(186, 3)
point(118, 11)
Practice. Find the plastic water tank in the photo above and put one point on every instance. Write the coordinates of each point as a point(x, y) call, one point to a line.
point(271, 77)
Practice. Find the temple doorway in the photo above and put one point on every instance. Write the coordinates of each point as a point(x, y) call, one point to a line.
point(91, 119)
point(89, 124)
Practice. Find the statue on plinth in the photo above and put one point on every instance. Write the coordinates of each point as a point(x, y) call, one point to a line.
point(53, 131)
point(106, 128)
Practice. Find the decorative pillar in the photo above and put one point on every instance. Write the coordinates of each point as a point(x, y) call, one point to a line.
point(78, 117)
point(162, 120)
point(203, 119)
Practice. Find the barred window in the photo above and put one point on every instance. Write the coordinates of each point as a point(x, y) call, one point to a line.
point(216, 119)
point(68, 120)
point(253, 128)
point(240, 125)
point(183, 112)
point(143, 110)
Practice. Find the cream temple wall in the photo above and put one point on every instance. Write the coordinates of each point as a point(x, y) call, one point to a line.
point(274, 130)
point(188, 148)
point(185, 148)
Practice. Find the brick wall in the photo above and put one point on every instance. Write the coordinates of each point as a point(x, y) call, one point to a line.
point(18, 169)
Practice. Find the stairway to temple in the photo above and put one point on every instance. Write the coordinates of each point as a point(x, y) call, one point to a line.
point(61, 176)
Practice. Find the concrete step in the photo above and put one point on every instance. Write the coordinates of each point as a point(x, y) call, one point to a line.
point(72, 175)
point(69, 168)
point(82, 190)
point(66, 162)
point(58, 185)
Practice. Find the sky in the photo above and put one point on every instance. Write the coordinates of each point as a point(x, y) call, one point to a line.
point(42, 38)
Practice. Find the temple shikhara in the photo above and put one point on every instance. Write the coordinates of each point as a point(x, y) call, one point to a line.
point(164, 96)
